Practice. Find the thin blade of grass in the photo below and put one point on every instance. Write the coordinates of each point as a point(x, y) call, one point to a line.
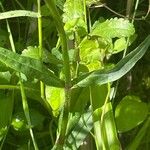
point(18, 13)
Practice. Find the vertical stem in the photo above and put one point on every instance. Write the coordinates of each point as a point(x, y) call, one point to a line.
point(26, 111)
point(132, 21)
point(42, 86)
point(85, 14)
point(65, 112)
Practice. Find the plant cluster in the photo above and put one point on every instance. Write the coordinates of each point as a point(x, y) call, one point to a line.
point(66, 75)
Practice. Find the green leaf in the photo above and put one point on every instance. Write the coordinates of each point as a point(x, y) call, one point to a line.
point(119, 45)
point(55, 97)
point(33, 52)
point(80, 131)
point(110, 128)
point(113, 28)
point(100, 77)
point(89, 50)
point(92, 52)
point(73, 17)
point(32, 68)
point(129, 113)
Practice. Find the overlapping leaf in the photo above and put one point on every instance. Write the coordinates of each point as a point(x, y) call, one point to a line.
point(104, 76)
point(73, 17)
point(32, 68)
point(113, 28)
point(80, 131)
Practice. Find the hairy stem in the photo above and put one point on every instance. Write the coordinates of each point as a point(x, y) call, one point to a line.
point(65, 111)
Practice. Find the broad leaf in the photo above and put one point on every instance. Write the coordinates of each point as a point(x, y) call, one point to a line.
point(113, 28)
point(32, 68)
point(129, 113)
point(122, 67)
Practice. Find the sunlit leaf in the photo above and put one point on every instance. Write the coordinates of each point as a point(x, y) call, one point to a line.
point(113, 28)
point(119, 45)
point(55, 97)
point(73, 17)
point(129, 113)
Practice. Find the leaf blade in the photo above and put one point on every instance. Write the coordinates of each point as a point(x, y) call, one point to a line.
point(32, 68)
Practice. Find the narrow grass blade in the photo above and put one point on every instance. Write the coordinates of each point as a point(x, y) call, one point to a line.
point(18, 13)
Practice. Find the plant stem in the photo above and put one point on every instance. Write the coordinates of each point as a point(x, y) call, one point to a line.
point(26, 111)
point(42, 86)
point(65, 111)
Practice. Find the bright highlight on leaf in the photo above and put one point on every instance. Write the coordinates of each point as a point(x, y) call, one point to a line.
point(129, 113)
point(55, 97)
point(113, 28)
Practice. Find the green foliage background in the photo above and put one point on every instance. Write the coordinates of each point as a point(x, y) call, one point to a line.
point(35, 83)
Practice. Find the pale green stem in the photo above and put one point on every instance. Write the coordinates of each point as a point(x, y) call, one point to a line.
point(65, 111)
point(42, 86)
point(27, 115)
point(132, 21)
